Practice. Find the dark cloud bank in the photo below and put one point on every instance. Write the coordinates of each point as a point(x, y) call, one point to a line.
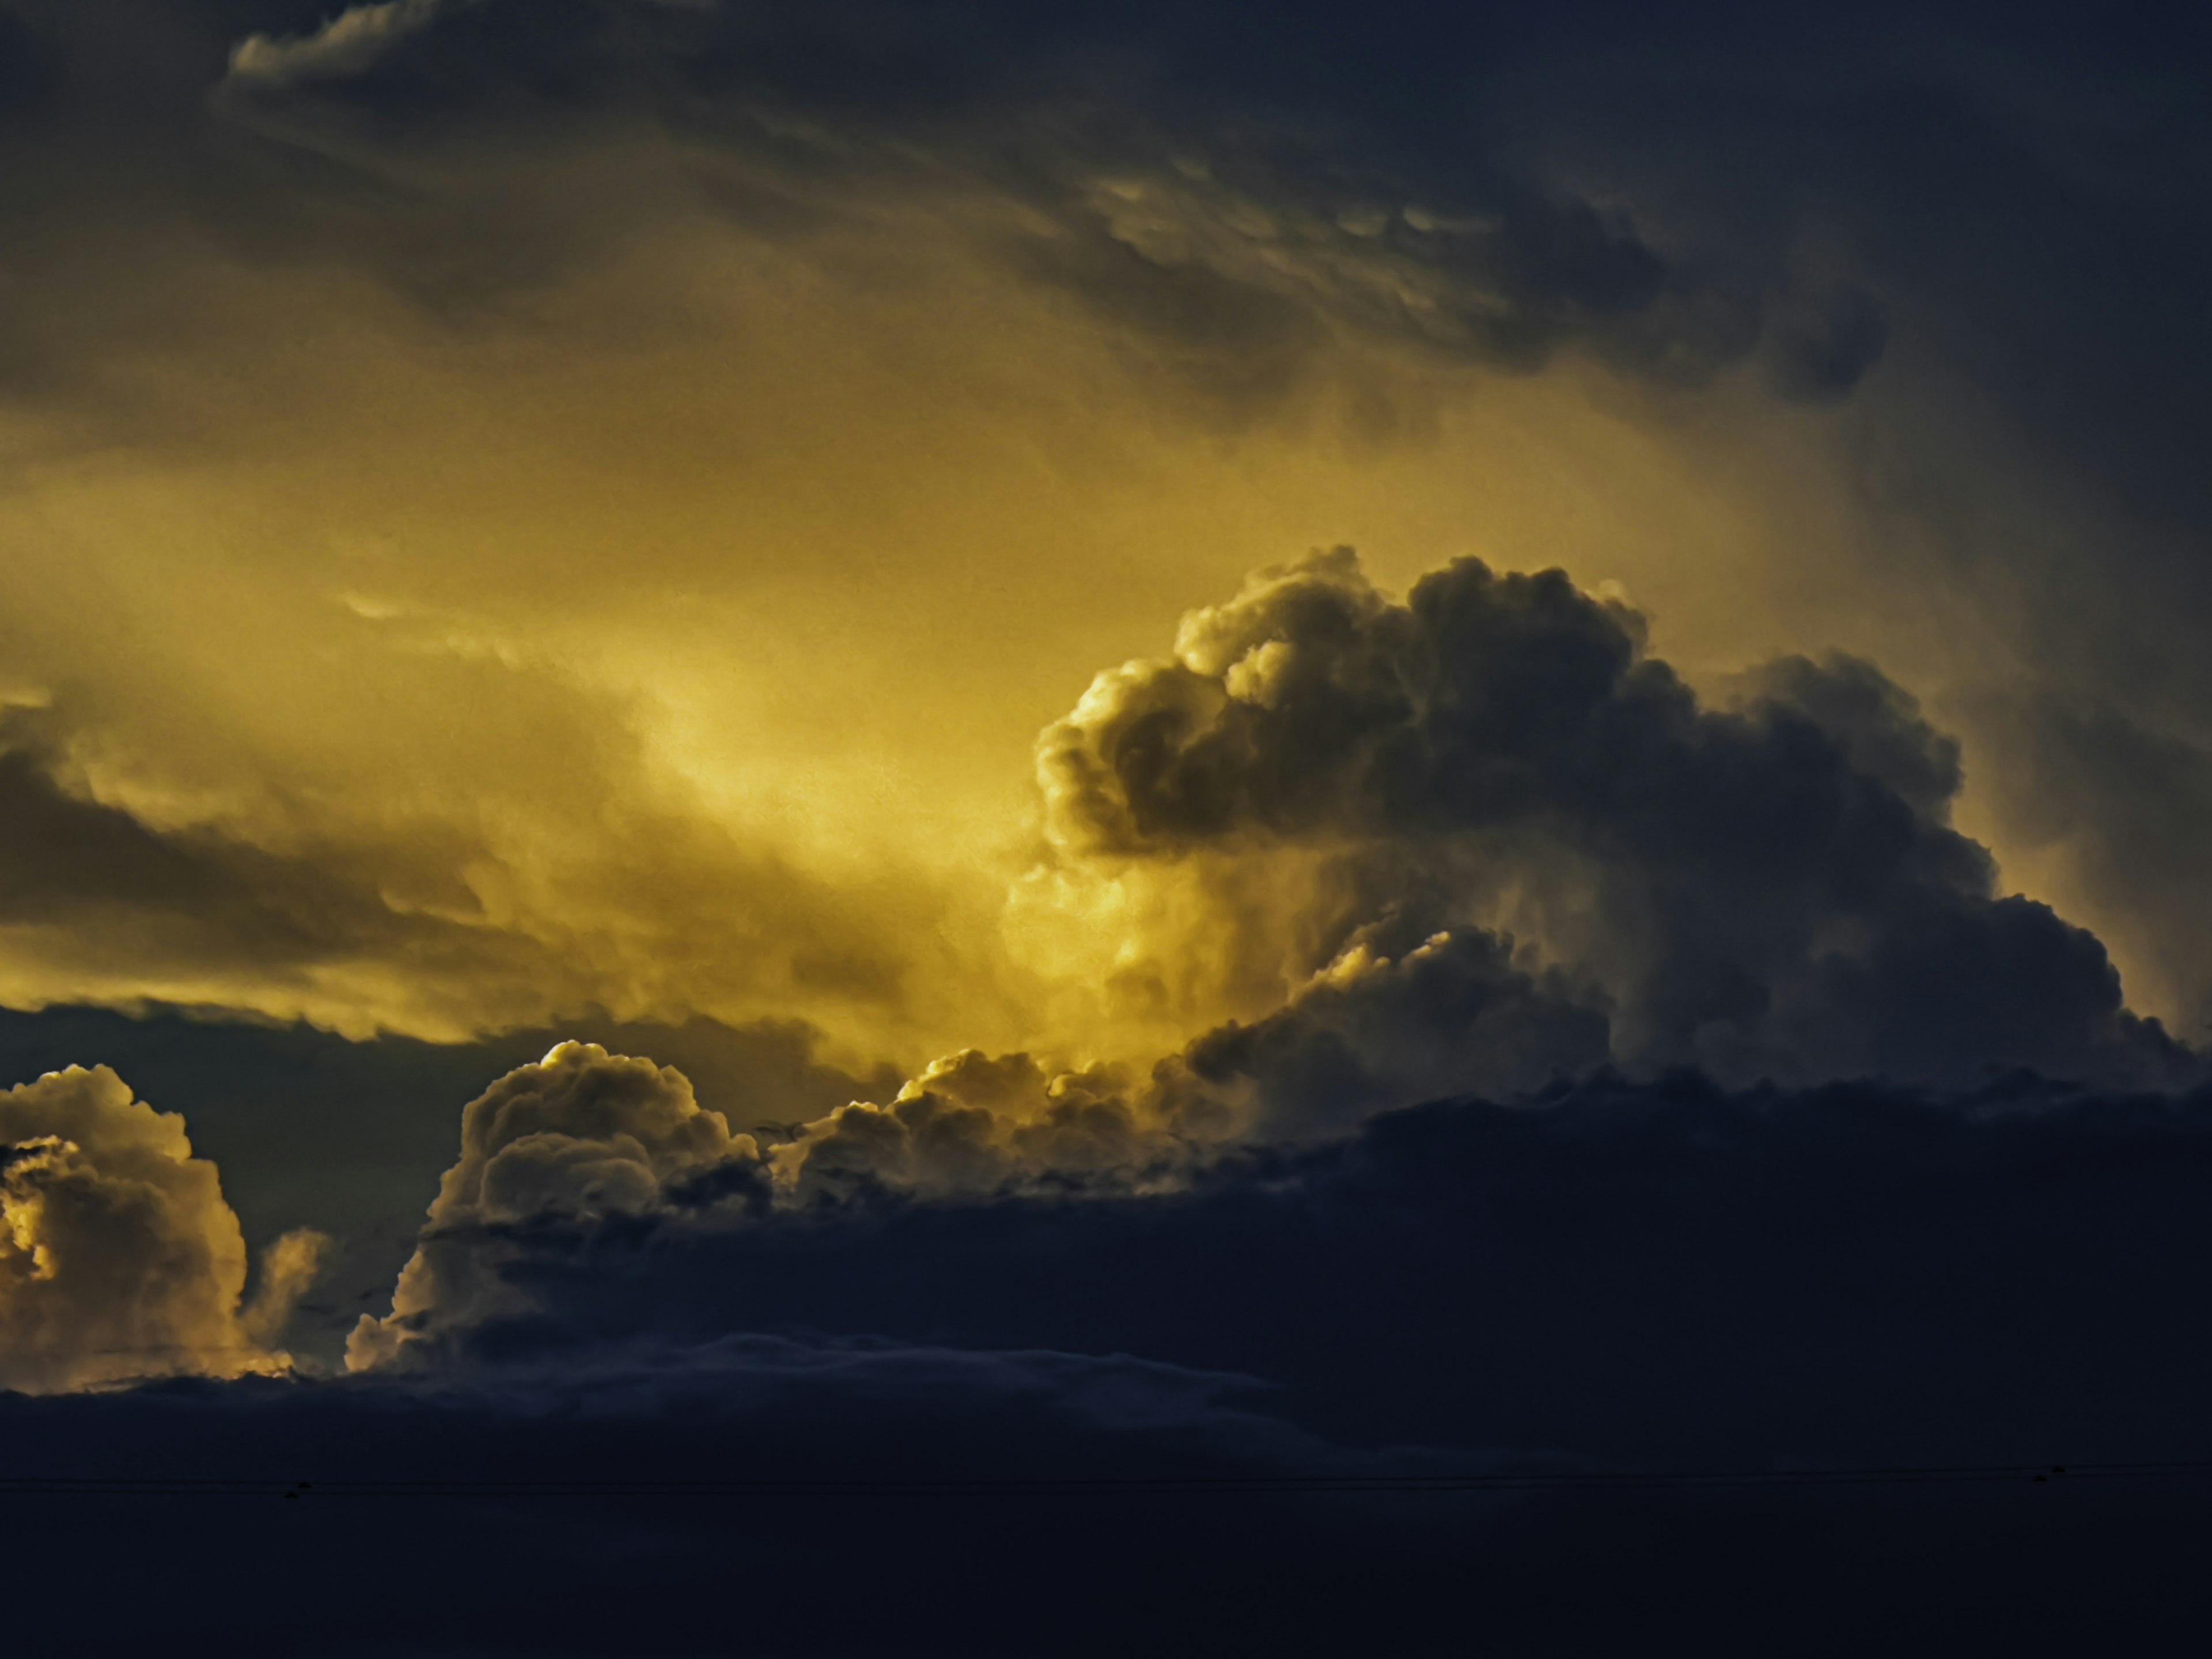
point(1660, 1276)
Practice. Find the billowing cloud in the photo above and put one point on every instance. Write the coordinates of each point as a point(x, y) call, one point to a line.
point(1283, 246)
point(584, 1138)
point(581, 1135)
point(1771, 887)
point(119, 1258)
point(314, 1129)
point(1767, 888)
point(1666, 1271)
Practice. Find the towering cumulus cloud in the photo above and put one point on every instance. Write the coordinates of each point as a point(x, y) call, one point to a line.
point(118, 1257)
point(1767, 888)
point(580, 1137)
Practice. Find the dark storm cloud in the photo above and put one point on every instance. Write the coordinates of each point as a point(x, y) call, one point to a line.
point(1914, 1569)
point(1618, 1276)
point(1770, 888)
point(2014, 200)
point(271, 895)
point(1613, 1269)
point(647, 1576)
point(1639, 1271)
point(107, 897)
point(1230, 235)
point(2029, 191)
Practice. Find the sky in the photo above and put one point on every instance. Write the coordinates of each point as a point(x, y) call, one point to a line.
point(1268, 753)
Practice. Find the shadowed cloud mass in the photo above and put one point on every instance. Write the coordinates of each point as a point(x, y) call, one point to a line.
point(1770, 887)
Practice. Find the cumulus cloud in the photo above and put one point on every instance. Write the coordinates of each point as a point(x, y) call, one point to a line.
point(586, 1151)
point(118, 1257)
point(310, 1128)
point(974, 1123)
point(580, 1135)
point(2116, 807)
point(1768, 887)
point(560, 1150)
point(583, 1140)
point(1856, 1271)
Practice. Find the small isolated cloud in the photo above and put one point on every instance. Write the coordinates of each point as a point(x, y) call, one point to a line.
point(118, 1257)
point(348, 44)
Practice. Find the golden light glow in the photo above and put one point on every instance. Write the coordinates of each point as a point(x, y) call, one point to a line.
point(673, 637)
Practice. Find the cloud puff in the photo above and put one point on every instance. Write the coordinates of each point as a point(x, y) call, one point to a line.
point(571, 1166)
point(119, 1258)
point(584, 1140)
point(580, 1135)
point(309, 1127)
point(974, 1123)
point(347, 45)
point(1771, 887)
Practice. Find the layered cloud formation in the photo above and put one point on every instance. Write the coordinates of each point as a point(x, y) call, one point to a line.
point(1169, 298)
point(1768, 889)
point(1604, 1284)
point(542, 537)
